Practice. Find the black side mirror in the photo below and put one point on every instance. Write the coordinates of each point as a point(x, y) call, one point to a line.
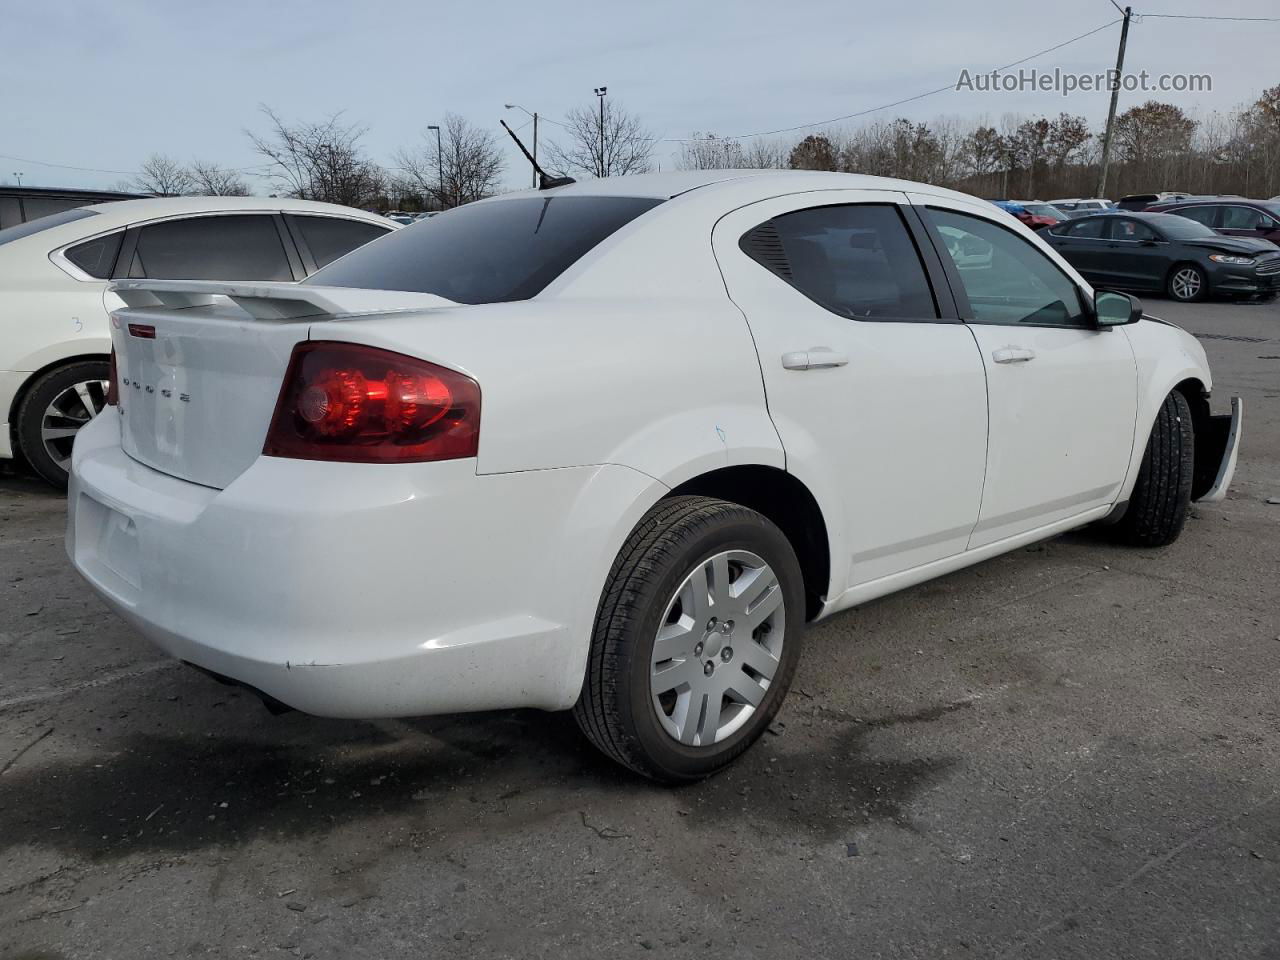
point(1112, 309)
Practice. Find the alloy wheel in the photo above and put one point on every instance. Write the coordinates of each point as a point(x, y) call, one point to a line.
point(1186, 283)
point(70, 410)
point(718, 648)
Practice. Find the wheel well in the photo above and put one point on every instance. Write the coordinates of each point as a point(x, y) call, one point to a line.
point(1209, 443)
point(787, 502)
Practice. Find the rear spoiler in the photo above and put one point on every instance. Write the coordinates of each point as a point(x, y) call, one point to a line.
point(262, 301)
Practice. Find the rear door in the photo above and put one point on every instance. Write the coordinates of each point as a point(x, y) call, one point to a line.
point(877, 391)
point(1083, 244)
point(1062, 395)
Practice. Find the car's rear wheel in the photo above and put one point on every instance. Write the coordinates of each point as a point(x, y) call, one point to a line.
point(52, 412)
point(696, 639)
point(1158, 505)
point(1187, 283)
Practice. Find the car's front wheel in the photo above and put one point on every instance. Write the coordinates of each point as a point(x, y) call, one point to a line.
point(1158, 505)
point(1187, 283)
point(52, 412)
point(696, 639)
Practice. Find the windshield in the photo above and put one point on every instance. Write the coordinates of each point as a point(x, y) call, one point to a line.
point(1178, 228)
point(486, 252)
point(44, 223)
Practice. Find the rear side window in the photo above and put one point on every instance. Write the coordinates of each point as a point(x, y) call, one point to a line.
point(10, 234)
point(858, 261)
point(1006, 279)
point(329, 238)
point(1090, 229)
point(1205, 215)
point(237, 247)
point(96, 257)
point(489, 252)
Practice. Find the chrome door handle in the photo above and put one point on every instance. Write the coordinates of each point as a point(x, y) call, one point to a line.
point(815, 358)
point(1013, 355)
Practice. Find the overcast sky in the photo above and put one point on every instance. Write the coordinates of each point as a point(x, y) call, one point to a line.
point(105, 84)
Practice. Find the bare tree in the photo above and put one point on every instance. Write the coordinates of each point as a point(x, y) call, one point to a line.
point(469, 161)
point(625, 146)
point(320, 160)
point(162, 175)
point(210, 180)
point(706, 151)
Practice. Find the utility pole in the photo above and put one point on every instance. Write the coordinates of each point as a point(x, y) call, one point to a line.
point(439, 164)
point(604, 168)
point(18, 174)
point(534, 115)
point(1111, 113)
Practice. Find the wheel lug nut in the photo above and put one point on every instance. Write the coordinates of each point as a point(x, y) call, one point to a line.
point(711, 624)
point(697, 649)
point(726, 654)
point(709, 669)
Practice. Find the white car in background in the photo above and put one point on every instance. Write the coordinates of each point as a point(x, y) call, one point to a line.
point(611, 445)
point(54, 303)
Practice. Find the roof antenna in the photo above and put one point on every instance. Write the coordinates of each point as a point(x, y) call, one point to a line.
point(544, 182)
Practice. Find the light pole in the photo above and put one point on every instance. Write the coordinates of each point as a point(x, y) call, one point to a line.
point(516, 106)
point(600, 92)
point(18, 174)
point(439, 163)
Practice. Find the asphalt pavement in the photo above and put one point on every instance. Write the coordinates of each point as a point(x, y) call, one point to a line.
point(1069, 751)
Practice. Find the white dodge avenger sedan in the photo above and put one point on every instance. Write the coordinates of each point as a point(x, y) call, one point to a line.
point(610, 446)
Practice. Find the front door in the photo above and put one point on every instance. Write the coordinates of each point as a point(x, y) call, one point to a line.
point(1062, 394)
point(877, 391)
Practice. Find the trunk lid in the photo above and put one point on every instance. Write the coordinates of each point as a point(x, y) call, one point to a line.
point(200, 365)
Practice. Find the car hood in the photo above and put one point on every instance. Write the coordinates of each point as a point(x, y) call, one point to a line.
point(1249, 246)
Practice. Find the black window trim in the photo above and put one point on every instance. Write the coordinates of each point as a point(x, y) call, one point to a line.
point(962, 298)
point(127, 249)
point(935, 279)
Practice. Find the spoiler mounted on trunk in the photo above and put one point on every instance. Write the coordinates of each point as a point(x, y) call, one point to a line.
point(262, 301)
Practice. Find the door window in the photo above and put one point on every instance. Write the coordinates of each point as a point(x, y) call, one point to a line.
point(236, 247)
point(1090, 229)
point(858, 261)
point(1206, 214)
point(1241, 218)
point(1006, 279)
point(328, 238)
point(1122, 228)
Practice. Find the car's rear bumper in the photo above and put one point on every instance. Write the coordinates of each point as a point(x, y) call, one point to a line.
point(355, 590)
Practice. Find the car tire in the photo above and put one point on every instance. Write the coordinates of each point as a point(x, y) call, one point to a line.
point(1158, 505)
point(669, 735)
point(1186, 283)
point(39, 428)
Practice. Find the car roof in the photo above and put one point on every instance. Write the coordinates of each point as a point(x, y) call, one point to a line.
point(751, 184)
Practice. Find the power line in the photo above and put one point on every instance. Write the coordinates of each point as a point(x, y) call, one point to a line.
point(123, 173)
point(1191, 16)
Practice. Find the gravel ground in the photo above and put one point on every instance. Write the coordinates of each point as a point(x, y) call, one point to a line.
point(1070, 751)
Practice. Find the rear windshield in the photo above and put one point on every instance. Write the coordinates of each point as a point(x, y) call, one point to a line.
point(43, 223)
point(1178, 228)
point(486, 252)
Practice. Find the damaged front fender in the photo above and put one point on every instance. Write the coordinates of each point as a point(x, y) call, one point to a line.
point(1217, 448)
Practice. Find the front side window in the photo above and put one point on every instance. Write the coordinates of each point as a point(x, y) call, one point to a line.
point(858, 261)
point(1241, 218)
point(1006, 279)
point(235, 247)
point(96, 257)
point(329, 238)
point(490, 252)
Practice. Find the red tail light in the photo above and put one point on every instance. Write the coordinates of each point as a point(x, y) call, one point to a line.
point(343, 401)
point(113, 381)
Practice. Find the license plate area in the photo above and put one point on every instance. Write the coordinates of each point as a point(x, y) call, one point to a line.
point(107, 547)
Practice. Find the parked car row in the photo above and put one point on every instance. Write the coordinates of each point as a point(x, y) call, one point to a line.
point(54, 302)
